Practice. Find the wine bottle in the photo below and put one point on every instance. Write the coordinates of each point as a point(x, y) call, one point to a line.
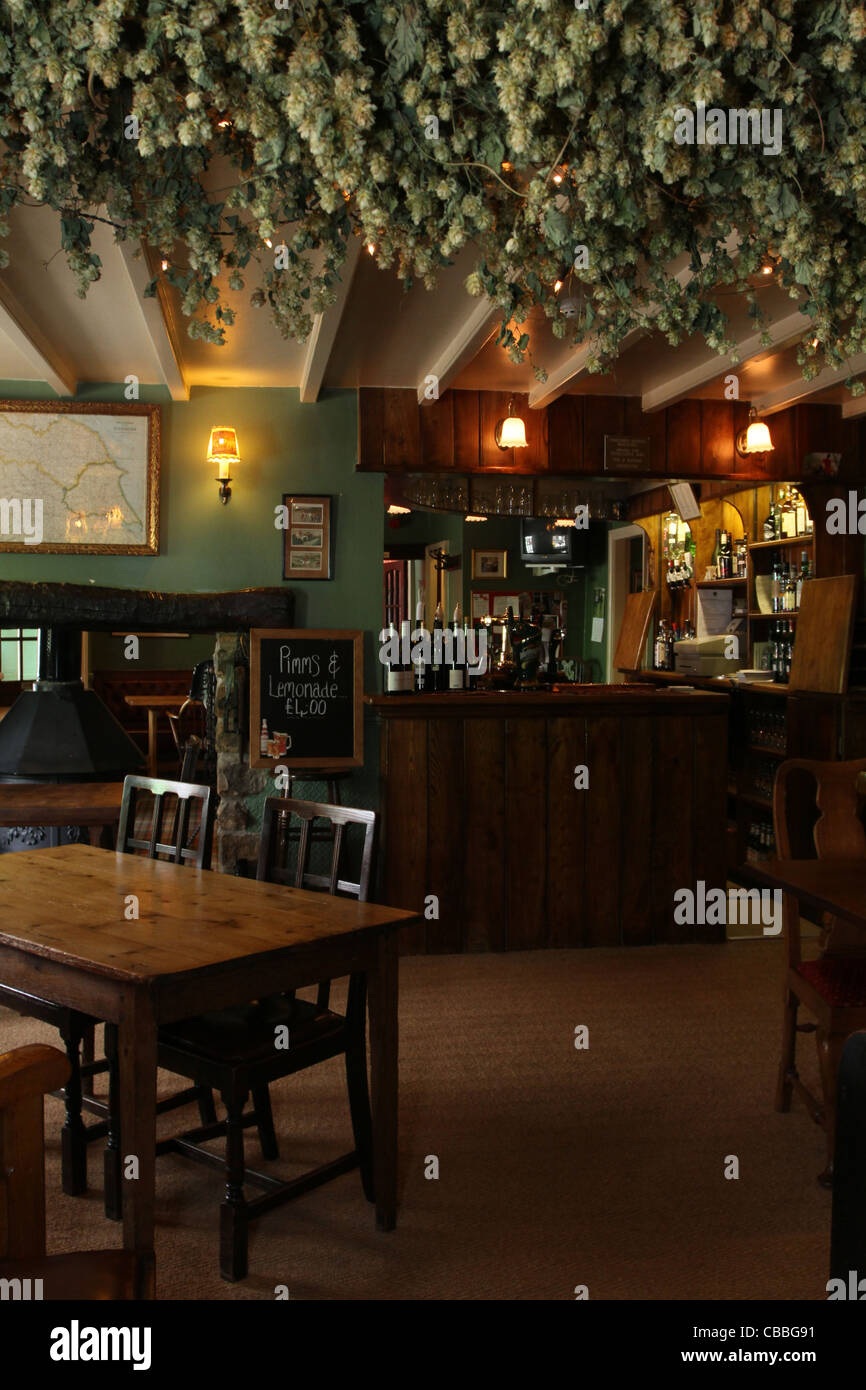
point(405, 682)
point(420, 668)
point(457, 668)
point(437, 660)
point(390, 669)
point(717, 554)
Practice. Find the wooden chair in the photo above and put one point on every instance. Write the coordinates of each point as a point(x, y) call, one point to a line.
point(817, 812)
point(25, 1075)
point(186, 842)
point(233, 1051)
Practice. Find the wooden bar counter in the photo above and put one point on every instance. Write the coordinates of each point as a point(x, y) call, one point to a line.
point(481, 811)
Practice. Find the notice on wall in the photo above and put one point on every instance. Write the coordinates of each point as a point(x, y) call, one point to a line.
point(624, 454)
point(306, 689)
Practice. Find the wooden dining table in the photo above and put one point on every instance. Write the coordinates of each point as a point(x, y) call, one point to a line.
point(837, 886)
point(155, 706)
point(92, 805)
point(201, 941)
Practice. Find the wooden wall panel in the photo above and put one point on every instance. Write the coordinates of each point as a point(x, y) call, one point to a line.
point(402, 427)
point(437, 433)
point(403, 760)
point(467, 436)
point(601, 415)
point(651, 426)
point(484, 902)
point(446, 832)
point(371, 429)
point(717, 438)
point(526, 832)
point(604, 845)
point(565, 435)
point(636, 928)
point(684, 439)
point(566, 830)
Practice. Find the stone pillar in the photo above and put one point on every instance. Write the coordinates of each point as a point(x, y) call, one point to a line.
point(241, 789)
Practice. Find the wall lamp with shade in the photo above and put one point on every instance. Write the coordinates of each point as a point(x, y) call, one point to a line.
point(510, 433)
point(755, 439)
point(223, 451)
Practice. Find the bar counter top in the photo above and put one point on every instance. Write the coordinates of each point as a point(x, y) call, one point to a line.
point(639, 697)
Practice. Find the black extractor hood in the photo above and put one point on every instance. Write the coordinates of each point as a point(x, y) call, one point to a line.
point(59, 731)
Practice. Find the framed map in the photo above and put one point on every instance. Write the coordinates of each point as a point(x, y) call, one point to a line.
point(79, 477)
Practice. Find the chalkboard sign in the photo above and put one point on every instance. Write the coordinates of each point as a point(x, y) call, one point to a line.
point(306, 689)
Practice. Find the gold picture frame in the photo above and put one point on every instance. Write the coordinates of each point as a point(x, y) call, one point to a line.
point(490, 564)
point(126, 505)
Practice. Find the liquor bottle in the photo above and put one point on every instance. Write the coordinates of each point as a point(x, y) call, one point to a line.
point(800, 512)
point(777, 588)
point(789, 649)
point(661, 647)
point(775, 653)
point(420, 669)
point(437, 662)
point(264, 738)
point(406, 681)
point(717, 552)
point(789, 517)
point(472, 672)
point(770, 524)
point(457, 668)
point(742, 556)
point(675, 637)
point(803, 575)
point(791, 604)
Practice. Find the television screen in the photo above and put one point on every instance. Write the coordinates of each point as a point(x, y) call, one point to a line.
point(562, 545)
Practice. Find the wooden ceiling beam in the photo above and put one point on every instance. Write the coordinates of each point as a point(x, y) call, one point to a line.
point(320, 343)
point(49, 364)
point(156, 317)
point(798, 389)
point(466, 341)
point(782, 332)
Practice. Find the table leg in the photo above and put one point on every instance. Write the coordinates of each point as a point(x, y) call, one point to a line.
point(137, 1067)
point(382, 992)
point(152, 735)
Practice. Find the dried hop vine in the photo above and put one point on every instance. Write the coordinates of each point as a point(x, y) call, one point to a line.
point(246, 141)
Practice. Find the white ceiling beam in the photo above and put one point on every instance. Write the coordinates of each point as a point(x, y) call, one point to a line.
point(854, 407)
point(546, 392)
point(49, 365)
point(320, 343)
point(782, 332)
point(156, 323)
point(466, 342)
point(797, 389)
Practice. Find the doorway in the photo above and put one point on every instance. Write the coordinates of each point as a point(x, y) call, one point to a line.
point(626, 570)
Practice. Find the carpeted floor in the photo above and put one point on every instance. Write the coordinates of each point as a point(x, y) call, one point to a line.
point(558, 1167)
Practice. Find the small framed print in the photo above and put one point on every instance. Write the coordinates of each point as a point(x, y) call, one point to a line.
point(308, 543)
point(489, 564)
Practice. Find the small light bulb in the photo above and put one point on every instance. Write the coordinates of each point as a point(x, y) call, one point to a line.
point(557, 286)
point(165, 265)
point(766, 270)
point(268, 242)
point(371, 247)
point(506, 166)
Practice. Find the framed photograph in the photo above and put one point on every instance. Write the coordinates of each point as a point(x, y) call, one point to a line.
point(79, 478)
point(489, 564)
point(308, 540)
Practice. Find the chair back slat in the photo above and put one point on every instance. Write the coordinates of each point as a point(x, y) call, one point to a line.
point(275, 843)
point(177, 844)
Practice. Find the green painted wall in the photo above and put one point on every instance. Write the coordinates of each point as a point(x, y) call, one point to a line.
point(285, 447)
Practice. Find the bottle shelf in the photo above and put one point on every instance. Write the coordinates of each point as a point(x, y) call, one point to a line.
point(767, 750)
point(756, 613)
point(720, 583)
point(805, 539)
